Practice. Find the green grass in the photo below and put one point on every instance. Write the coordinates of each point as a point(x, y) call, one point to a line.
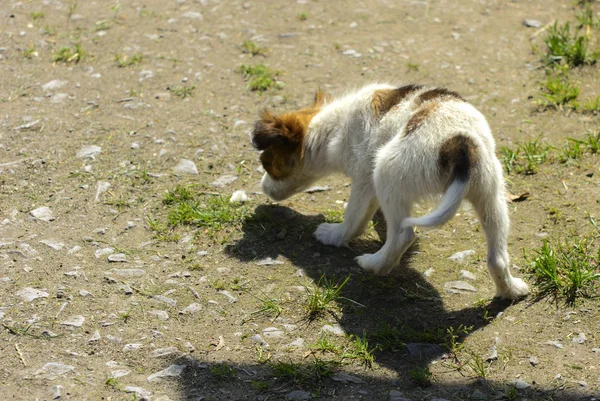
point(591, 105)
point(69, 54)
point(421, 377)
point(123, 60)
point(359, 350)
point(303, 16)
point(566, 272)
point(161, 231)
point(526, 158)
point(183, 91)
point(325, 345)
point(251, 48)
point(559, 92)
point(324, 297)
point(304, 374)
point(565, 46)
point(36, 15)
point(572, 152)
point(270, 307)
point(113, 383)
point(260, 77)
point(478, 365)
point(222, 372)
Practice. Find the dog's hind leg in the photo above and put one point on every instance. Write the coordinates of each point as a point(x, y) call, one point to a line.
point(488, 197)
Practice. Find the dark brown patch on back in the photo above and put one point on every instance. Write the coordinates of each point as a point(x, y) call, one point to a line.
point(383, 100)
point(457, 155)
point(419, 116)
point(437, 94)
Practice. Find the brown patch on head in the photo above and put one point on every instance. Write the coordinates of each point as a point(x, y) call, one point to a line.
point(457, 155)
point(282, 139)
point(438, 94)
point(384, 99)
point(419, 116)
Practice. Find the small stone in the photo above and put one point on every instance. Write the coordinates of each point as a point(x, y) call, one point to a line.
point(89, 152)
point(298, 395)
point(54, 84)
point(117, 258)
point(192, 15)
point(171, 371)
point(493, 354)
point(56, 391)
point(317, 188)
point(459, 287)
point(579, 339)
point(52, 370)
point(43, 213)
point(424, 350)
point(532, 23)
point(57, 246)
point(429, 272)
point(95, 337)
point(160, 314)
point(268, 261)
point(191, 309)
point(75, 321)
point(160, 352)
point(555, 343)
point(85, 293)
point(132, 347)
point(346, 378)
point(260, 341)
point(238, 197)
point(104, 251)
point(533, 361)
point(101, 187)
point(396, 395)
point(297, 343)
point(126, 272)
point(223, 181)
point(460, 257)
point(596, 350)
point(272, 332)
point(336, 330)
point(29, 294)
point(467, 275)
point(126, 289)
point(521, 384)
point(185, 166)
point(140, 392)
point(478, 395)
point(73, 250)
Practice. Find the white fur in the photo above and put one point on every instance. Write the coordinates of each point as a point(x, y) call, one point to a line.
point(392, 171)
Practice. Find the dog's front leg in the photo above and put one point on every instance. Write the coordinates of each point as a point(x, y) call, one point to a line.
point(361, 207)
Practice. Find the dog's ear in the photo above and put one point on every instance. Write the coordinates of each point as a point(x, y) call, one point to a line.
point(320, 99)
point(269, 130)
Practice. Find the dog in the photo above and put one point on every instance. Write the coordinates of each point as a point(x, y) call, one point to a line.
point(400, 145)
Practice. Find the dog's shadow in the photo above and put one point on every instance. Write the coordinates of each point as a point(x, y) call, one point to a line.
point(402, 313)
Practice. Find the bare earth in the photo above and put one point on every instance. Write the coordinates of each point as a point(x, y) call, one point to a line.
point(99, 144)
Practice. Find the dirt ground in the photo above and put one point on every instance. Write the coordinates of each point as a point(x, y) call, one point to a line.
point(93, 303)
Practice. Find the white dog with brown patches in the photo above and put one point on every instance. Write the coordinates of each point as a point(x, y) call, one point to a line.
point(400, 145)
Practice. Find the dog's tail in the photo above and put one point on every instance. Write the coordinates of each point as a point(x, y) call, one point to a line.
point(456, 155)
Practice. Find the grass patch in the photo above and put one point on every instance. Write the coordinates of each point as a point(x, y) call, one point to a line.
point(123, 60)
point(421, 377)
point(183, 91)
point(303, 16)
point(270, 307)
point(251, 48)
point(565, 46)
point(222, 372)
point(260, 77)
point(559, 92)
point(305, 374)
point(69, 54)
point(359, 350)
point(37, 15)
point(325, 345)
point(566, 271)
point(526, 158)
point(324, 297)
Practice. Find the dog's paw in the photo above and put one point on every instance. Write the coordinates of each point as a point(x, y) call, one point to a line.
point(371, 263)
point(515, 290)
point(330, 234)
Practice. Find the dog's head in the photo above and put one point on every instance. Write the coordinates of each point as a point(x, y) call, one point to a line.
point(282, 139)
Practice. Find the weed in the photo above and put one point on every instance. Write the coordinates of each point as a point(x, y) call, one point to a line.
point(324, 344)
point(162, 232)
point(116, 9)
point(49, 30)
point(388, 338)
point(359, 350)
point(250, 47)
point(566, 47)
point(412, 67)
point(558, 91)
point(21, 331)
point(222, 372)
point(421, 377)
point(113, 383)
point(334, 216)
point(526, 158)
point(321, 299)
point(592, 105)
point(454, 336)
point(303, 16)
point(309, 373)
point(259, 385)
point(69, 54)
point(510, 158)
point(183, 91)
point(260, 77)
point(37, 15)
point(571, 152)
point(102, 25)
point(213, 212)
point(261, 356)
point(72, 8)
point(124, 60)
point(270, 306)
point(31, 52)
point(478, 365)
point(566, 271)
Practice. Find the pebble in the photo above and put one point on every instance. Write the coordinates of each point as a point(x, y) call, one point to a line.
point(493, 354)
point(193, 15)
point(533, 361)
point(396, 395)
point(467, 275)
point(160, 352)
point(104, 251)
point(56, 391)
point(298, 395)
point(336, 330)
point(260, 341)
point(555, 343)
point(297, 343)
point(95, 337)
point(29, 294)
point(579, 339)
point(43, 213)
point(268, 261)
point(346, 378)
point(351, 53)
point(75, 321)
point(191, 309)
point(73, 250)
point(532, 23)
point(171, 371)
point(101, 187)
point(521, 384)
point(424, 350)
point(223, 181)
point(126, 272)
point(228, 295)
point(57, 246)
point(117, 258)
point(478, 395)
point(160, 314)
point(54, 84)
point(132, 347)
point(460, 257)
point(89, 152)
point(140, 392)
point(185, 166)
point(272, 332)
point(52, 370)
point(28, 249)
point(239, 197)
point(317, 188)
point(429, 272)
point(459, 287)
